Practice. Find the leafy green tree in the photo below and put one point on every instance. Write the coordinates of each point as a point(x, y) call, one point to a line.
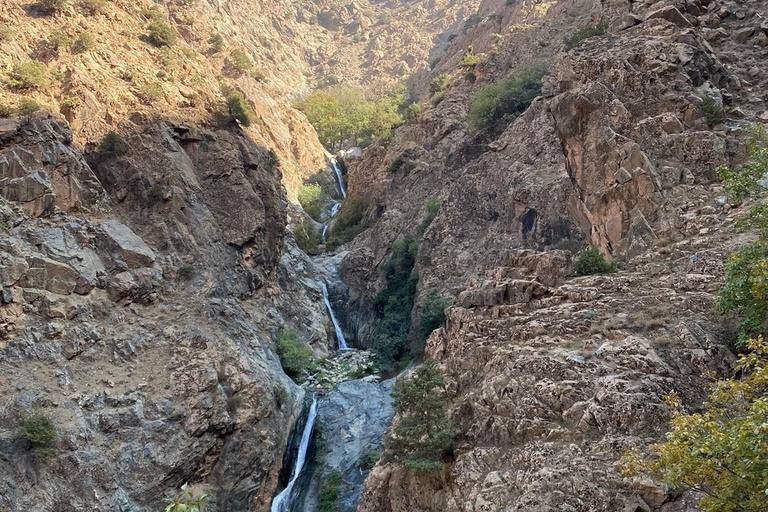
point(423, 435)
point(312, 198)
point(295, 356)
point(497, 104)
point(161, 34)
point(412, 112)
point(307, 236)
point(38, 430)
point(185, 501)
point(721, 453)
point(432, 313)
point(591, 261)
point(114, 144)
point(236, 107)
point(25, 109)
point(31, 74)
point(58, 39)
point(745, 292)
point(84, 43)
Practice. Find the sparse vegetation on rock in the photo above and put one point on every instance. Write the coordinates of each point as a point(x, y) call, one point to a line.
point(25, 108)
point(94, 7)
point(240, 60)
point(312, 198)
point(53, 6)
point(236, 107)
point(307, 235)
point(31, 74)
point(185, 501)
point(497, 104)
point(711, 111)
point(161, 34)
point(396, 164)
point(329, 493)
point(583, 33)
point(112, 143)
point(83, 43)
point(216, 41)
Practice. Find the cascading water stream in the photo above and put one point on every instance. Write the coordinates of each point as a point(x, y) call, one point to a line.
point(284, 498)
point(334, 211)
point(339, 333)
point(336, 169)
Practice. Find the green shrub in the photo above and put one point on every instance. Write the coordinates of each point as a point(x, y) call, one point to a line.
point(470, 76)
point(437, 98)
point(295, 356)
point(412, 112)
point(160, 34)
point(497, 104)
point(432, 313)
point(6, 111)
point(433, 207)
point(156, 192)
point(185, 501)
point(307, 236)
point(329, 493)
point(71, 102)
point(439, 83)
point(469, 59)
point(369, 458)
point(236, 107)
point(58, 39)
point(53, 6)
point(25, 109)
point(350, 221)
point(711, 110)
point(5, 32)
point(114, 144)
point(153, 13)
point(592, 261)
point(186, 272)
point(746, 271)
point(240, 60)
point(38, 430)
point(31, 74)
point(216, 41)
point(83, 43)
point(585, 33)
point(151, 92)
point(94, 7)
point(312, 198)
point(423, 435)
point(396, 164)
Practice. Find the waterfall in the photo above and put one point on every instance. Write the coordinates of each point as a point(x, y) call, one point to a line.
point(336, 169)
point(283, 499)
point(339, 334)
point(334, 211)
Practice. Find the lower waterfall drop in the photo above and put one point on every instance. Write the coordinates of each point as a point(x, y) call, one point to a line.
point(282, 501)
point(339, 333)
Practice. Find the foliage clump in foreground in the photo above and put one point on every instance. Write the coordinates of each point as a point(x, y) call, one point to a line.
point(745, 292)
point(295, 356)
point(185, 501)
point(38, 430)
point(590, 262)
point(721, 453)
point(423, 435)
point(329, 493)
point(497, 104)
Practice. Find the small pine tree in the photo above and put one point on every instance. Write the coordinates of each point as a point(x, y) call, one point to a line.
point(237, 107)
point(711, 110)
point(112, 143)
point(39, 431)
point(25, 109)
point(58, 39)
point(423, 435)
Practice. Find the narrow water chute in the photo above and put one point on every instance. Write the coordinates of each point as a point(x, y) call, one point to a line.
point(284, 498)
point(337, 328)
point(337, 170)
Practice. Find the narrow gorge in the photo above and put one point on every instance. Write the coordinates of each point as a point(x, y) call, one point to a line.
point(383, 255)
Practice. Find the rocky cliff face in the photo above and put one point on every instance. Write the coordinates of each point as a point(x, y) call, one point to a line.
point(551, 378)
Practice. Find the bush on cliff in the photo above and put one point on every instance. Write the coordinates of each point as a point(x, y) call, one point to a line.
point(720, 453)
point(423, 435)
point(585, 33)
point(497, 104)
point(160, 34)
point(312, 198)
point(53, 6)
point(112, 143)
point(240, 60)
point(236, 107)
point(329, 493)
point(31, 74)
point(590, 262)
point(38, 431)
point(350, 221)
point(185, 501)
point(307, 235)
point(712, 111)
point(745, 292)
point(295, 356)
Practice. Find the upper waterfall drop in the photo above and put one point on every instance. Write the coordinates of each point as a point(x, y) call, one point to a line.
point(335, 165)
point(283, 499)
point(339, 333)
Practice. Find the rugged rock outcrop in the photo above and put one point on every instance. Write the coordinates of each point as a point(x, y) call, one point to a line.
point(551, 378)
point(139, 299)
